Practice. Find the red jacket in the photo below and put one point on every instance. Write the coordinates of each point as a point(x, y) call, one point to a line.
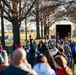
point(61, 72)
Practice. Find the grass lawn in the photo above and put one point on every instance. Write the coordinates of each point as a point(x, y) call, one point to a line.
point(74, 39)
point(75, 69)
point(22, 37)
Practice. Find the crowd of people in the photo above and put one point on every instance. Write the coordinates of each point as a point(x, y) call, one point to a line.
point(45, 58)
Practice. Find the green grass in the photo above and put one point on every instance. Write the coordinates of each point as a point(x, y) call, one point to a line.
point(74, 39)
point(9, 43)
point(75, 69)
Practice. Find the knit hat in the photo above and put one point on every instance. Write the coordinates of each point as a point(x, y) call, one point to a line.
point(19, 46)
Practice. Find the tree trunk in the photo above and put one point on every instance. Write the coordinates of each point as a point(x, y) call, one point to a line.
point(16, 32)
point(42, 31)
point(25, 29)
point(48, 31)
point(37, 21)
point(37, 29)
point(45, 29)
point(37, 26)
point(2, 27)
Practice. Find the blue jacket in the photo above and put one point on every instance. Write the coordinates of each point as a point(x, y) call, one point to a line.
point(74, 49)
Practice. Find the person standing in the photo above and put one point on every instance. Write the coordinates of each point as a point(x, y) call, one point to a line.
point(18, 65)
point(42, 67)
point(61, 64)
point(74, 52)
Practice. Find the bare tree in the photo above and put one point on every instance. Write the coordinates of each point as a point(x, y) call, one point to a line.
point(2, 26)
point(14, 13)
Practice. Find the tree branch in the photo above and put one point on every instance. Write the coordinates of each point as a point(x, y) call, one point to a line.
point(5, 3)
point(7, 18)
point(27, 12)
point(24, 6)
point(7, 13)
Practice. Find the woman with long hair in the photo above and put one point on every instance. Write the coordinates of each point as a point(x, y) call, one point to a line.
point(42, 67)
point(61, 64)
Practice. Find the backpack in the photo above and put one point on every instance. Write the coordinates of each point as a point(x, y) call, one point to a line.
point(74, 49)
